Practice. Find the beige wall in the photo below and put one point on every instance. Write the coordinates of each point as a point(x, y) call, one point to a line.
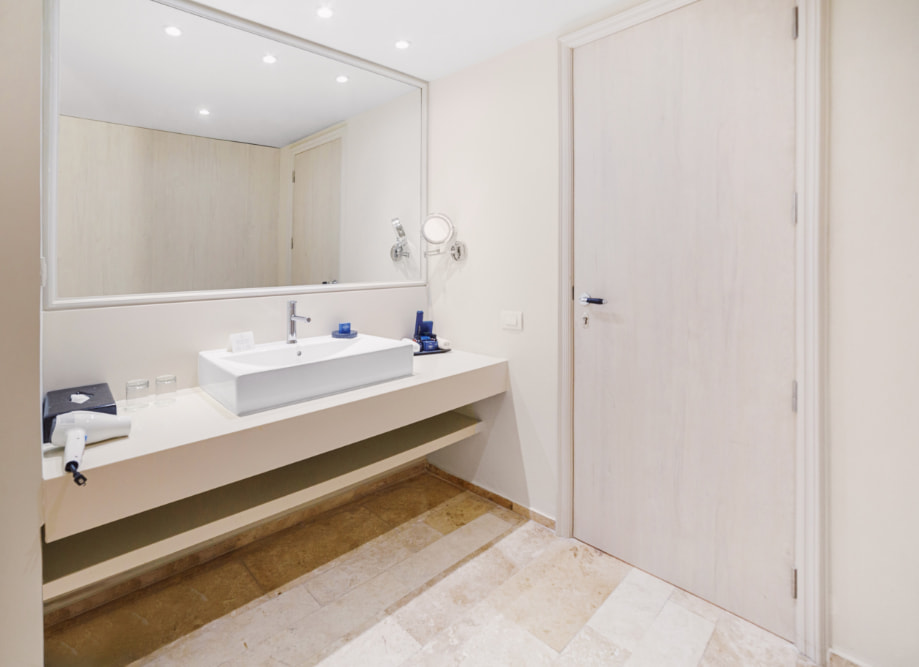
point(143, 211)
point(874, 330)
point(381, 180)
point(494, 170)
point(20, 397)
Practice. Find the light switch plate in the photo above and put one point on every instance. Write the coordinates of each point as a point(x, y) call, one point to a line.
point(512, 320)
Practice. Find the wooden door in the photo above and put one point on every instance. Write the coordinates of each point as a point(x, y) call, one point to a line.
point(315, 253)
point(684, 183)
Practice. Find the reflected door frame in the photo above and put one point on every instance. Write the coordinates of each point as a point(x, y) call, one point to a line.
point(286, 204)
point(810, 293)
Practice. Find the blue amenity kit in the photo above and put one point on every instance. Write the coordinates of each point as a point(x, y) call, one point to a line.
point(425, 336)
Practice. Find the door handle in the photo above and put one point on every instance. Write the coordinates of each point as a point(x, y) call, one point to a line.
point(586, 300)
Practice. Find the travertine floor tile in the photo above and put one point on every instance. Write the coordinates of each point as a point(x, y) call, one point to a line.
point(419, 568)
point(737, 642)
point(321, 633)
point(526, 543)
point(589, 647)
point(484, 637)
point(457, 512)
point(418, 574)
point(368, 560)
point(697, 605)
point(140, 623)
point(555, 595)
point(629, 611)
point(291, 553)
point(677, 638)
point(238, 633)
point(449, 599)
point(384, 645)
point(406, 500)
point(251, 660)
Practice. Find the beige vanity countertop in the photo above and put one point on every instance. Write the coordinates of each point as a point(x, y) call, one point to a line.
point(195, 444)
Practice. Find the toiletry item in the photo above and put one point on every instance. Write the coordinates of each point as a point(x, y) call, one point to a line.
point(425, 336)
point(242, 341)
point(344, 331)
point(136, 394)
point(165, 390)
point(91, 397)
point(74, 430)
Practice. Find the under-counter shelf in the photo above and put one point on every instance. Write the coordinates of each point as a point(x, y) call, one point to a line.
point(163, 533)
point(195, 444)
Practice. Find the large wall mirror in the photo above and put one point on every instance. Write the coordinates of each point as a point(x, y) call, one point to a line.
point(191, 153)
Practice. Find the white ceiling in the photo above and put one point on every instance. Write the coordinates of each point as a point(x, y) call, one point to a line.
point(117, 65)
point(446, 35)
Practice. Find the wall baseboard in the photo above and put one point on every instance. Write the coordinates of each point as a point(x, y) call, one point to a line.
point(493, 497)
point(837, 660)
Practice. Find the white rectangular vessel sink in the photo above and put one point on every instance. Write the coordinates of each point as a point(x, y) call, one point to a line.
point(276, 374)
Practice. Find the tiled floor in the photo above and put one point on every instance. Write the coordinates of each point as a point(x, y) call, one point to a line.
point(421, 573)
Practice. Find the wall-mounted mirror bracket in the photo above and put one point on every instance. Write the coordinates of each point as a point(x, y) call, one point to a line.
point(439, 234)
point(400, 248)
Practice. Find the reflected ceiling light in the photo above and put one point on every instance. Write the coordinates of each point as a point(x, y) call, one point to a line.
point(172, 31)
point(204, 112)
point(341, 78)
point(403, 44)
point(270, 59)
point(324, 12)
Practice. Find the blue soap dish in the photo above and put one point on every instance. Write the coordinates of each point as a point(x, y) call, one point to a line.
point(344, 331)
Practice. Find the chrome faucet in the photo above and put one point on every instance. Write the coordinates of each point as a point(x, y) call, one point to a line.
point(292, 319)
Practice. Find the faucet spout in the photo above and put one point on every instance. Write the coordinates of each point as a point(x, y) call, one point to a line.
point(292, 319)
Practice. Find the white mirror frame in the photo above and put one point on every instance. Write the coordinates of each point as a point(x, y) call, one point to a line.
point(50, 77)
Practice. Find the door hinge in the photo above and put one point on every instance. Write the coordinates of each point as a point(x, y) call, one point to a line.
point(794, 584)
point(293, 177)
point(794, 209)
point(794, 25)
point(291, 242)
point(794, 396)
point(43, 271)
point(572, 292)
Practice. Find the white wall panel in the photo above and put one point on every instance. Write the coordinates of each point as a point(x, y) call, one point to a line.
point(873, 330)
point(494, 170)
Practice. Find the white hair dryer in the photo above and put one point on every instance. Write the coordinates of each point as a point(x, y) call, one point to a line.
point(74, 430)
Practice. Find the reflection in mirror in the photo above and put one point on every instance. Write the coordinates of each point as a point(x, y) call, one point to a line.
point(292, 177)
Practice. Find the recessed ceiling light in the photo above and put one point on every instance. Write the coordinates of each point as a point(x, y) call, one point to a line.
point(204, 112)
point(403, 44)
point(172, 31)
point(341, 78)
point(324, 12)
point(270, 59)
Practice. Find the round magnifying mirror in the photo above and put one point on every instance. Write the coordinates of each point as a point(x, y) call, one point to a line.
point(437, 229)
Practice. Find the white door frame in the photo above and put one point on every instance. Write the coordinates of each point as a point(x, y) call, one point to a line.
point(810, 299)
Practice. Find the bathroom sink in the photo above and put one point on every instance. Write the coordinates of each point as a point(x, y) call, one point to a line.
point(275, 374)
